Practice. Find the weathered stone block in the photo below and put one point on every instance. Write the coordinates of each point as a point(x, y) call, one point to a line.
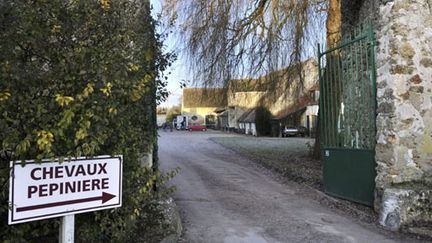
point(405, 96)
point(386, 108)
point(406, 209)
point(401, 69)
point(417, 89)
point(426, 62)
point(416, 79)
point(406, 50)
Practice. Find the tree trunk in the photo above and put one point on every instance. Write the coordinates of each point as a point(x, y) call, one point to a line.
point(334, 23)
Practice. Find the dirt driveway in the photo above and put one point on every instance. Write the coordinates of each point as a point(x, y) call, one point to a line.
point(224, 197)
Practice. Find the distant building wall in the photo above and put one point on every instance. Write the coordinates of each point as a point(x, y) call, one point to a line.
point(249, 99)
point(197, 103)
point(288, 94)
point(200, 112)
point(241, 102)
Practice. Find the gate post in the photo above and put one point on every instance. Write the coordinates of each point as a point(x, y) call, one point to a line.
point(404, 115)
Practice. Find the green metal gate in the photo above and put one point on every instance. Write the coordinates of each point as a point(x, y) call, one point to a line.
point(347, 114)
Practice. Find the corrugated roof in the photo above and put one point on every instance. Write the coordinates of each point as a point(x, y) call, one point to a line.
point(204, 97)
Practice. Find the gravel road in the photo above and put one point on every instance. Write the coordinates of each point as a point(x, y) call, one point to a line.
point(224, 197)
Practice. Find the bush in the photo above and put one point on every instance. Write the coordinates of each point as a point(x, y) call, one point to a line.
point(172, 113)
point(80, 78)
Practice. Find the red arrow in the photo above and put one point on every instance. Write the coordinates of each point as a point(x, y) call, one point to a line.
point(105, 197)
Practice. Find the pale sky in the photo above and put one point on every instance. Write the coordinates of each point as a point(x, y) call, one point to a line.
point(179, 70)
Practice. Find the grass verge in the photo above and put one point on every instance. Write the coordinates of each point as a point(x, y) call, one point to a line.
point(287, 156)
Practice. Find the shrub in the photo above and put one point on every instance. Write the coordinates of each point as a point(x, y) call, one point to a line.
point(172, 113)
point(80, 78)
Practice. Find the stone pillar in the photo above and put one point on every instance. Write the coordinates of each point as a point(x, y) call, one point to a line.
point(404, 113)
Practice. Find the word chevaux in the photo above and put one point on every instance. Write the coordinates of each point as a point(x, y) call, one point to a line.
point(71, 186)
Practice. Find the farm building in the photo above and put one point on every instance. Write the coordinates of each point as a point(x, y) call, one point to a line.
point(247, 122)
point(291, 100)
point(303, 112)
point(282, 96)
point(200, 105)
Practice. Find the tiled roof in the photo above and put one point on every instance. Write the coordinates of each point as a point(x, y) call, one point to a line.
point(204, 97)
point(269, 82)
point(300, 104)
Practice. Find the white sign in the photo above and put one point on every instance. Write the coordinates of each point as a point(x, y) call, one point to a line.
point(52, 189)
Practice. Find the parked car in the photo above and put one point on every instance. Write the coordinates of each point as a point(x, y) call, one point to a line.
point(197, 128)
point(289, 131)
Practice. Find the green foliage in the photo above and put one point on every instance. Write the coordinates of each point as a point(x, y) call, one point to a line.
point(137, 215)
point(263, 121)
point(172, 113)
point(80, 78)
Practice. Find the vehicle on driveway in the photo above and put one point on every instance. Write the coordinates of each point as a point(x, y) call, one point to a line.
point(181, 122)
point(197, 128)
point(292, 131)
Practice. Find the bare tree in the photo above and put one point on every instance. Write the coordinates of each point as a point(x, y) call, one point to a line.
point(227, 39)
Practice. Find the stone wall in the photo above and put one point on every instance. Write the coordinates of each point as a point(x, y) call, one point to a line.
point(404, 106)
point(404, 68)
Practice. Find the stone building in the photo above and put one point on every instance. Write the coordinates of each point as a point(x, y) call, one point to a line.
point(201, 104)
point(233, 108)
point(282, 93)
point(302, 112)
point(403, 28)
point(247, 123)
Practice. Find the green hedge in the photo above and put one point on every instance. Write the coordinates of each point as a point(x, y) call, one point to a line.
point(80, 78)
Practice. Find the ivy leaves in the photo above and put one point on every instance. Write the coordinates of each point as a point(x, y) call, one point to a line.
point(4, 95)
point(78, 58)
point(63, 100)
point(78, 78)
